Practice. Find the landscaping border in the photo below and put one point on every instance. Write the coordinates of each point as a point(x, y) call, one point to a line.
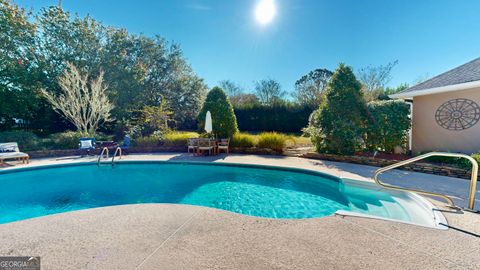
point(140, 150)
point(378, 162)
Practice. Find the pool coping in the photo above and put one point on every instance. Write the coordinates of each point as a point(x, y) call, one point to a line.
point(439, 219)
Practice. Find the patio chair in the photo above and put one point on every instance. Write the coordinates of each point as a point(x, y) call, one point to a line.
point(192, 144)
point(87, 144)
point(205, 145)
point(11, 151)
point(223, 144)
point(126, 144)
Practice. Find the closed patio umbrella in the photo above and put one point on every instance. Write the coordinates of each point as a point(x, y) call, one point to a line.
point(208, 122)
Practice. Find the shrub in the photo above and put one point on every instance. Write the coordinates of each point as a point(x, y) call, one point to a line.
point(178, 138)
point(27, 141)
point(280, 117)
point(155, 118)
point(71, 139)
point(272, 140)
point(387, 125)
point(224, 122)
point(242, 140)
point(147, 141)
point(65, 140)
point(337, 126)
point(455, 161)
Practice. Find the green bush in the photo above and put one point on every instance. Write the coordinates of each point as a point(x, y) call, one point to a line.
point(27, 141)
point(387, 126)
point(455, 161)
point(71, 139)
point(242, 140)
point(224, 122)
point(178, 138)
point(65, 140)
point(338, 125)
point(281, 117)
point(272, 140)
point(147, 141)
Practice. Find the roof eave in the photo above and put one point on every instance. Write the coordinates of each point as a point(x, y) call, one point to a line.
point(436, 90)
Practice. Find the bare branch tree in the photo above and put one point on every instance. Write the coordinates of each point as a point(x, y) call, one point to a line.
point(269, 91)
point(375, 79)
point(231, 89)
point(84, 103)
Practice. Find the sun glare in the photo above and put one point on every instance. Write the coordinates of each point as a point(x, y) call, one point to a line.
point(265, 11)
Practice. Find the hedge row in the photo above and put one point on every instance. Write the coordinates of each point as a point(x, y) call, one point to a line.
point(281, 118)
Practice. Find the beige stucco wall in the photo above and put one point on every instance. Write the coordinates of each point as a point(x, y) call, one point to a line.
point(427, 135)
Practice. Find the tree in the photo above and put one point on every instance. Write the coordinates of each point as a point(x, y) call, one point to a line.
point(224, 122)
point(269, 91)
point(244, 100)
point(68, 39)
point(83, 102)
point(310, 87)
point(393, 90)
point(18, 73)
point(337, 126)
point(139, 70)
point(153, 120)
point(375, 79)
point(143, 71)
point(231, 89)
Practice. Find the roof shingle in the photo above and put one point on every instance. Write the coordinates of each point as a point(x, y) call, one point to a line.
point(465, 73)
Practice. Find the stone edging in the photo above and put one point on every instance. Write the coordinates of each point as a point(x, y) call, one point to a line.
point(416, 167)
point(139, 150)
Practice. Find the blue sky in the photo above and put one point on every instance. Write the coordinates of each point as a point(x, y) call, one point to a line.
point(222, 39)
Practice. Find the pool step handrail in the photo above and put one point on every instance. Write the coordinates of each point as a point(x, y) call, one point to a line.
point(117, 151)
point(104, 152)
point(473, 178)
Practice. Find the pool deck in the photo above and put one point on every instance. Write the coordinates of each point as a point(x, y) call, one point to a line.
point(169, 236)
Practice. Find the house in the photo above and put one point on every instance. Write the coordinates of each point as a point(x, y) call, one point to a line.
point(446, 111)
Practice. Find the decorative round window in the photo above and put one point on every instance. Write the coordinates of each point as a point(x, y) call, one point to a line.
point(458, 114)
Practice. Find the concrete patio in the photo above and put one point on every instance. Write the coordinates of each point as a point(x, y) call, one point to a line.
point(166, 236)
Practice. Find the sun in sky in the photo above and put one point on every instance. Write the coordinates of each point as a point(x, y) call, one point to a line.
point(265, 11)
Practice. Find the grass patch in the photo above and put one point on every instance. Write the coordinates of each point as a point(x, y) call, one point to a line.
point(147, 141)
point(243, 140)
point(178, 138)
point(272, 140)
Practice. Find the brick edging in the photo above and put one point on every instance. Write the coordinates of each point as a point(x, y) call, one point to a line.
point(377, 162)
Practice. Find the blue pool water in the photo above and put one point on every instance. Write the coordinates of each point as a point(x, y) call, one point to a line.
point(262, 192)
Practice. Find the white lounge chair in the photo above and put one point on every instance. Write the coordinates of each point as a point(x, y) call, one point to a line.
point(10, 151)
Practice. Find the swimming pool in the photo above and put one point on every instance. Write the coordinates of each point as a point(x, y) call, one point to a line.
point(251, 190)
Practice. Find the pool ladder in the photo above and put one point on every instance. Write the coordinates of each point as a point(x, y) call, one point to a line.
point(105, 153)
point(473, 179)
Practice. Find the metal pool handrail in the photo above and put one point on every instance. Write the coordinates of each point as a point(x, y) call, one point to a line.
point(118, 150)
point(104, 150)
point(473, 179)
